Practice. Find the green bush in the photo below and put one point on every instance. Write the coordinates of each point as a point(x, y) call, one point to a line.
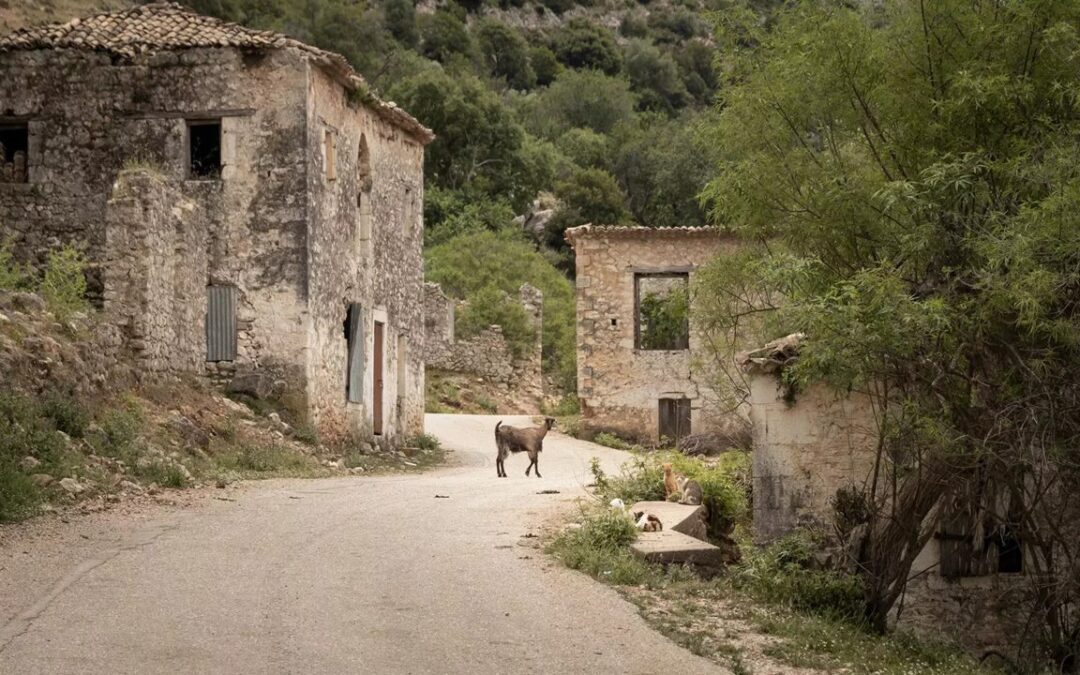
point(165, 474)
point(264, 458)
point(582, 44)
point(67, 414)
point(491, 306)
point(19, 497)
point(64, 283)
point(642, 479)
point(471, 263)
point(600, 548)
point(611, 441)
point(425, 442)
point(786, 573)
point(13, 276)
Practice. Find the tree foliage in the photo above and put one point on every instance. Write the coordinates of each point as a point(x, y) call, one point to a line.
point(911, 176)
point(582, 44)
point(506, 53)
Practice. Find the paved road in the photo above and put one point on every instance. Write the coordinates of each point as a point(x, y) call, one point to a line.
point(349, 575)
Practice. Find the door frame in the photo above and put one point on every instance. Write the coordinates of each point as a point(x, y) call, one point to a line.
point(378, 379)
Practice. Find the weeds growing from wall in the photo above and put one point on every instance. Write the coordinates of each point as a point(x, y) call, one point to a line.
point(64, 283)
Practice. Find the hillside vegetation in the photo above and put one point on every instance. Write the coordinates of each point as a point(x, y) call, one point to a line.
point(559, 112)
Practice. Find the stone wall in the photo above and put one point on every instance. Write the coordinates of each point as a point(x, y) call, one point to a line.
point(486, 354)
point(366, 247)
point(618, 384)
point(805, 449)
point(275, 225)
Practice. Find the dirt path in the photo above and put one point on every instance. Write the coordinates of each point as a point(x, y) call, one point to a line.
point(360, 575)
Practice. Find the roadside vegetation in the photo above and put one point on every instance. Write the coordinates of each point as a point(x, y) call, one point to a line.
point(66, 440)
point(778, 608)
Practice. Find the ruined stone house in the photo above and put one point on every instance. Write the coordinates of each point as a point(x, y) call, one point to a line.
point(488, 354)
point(811, 444)
point(251, 211)
point(641, 363)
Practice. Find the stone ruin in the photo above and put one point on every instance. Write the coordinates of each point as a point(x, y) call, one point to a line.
point(487, 354)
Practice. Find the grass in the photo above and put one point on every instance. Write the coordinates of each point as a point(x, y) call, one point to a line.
point(256, 460)
point(774, 610)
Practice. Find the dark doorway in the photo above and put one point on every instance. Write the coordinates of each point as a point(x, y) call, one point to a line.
point(204, 149)
point(674, 419)
point(377, 406)
point(354, 367)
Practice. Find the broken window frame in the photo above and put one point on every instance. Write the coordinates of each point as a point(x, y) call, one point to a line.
point(21, 131)
point(961, 556)
point(683, 344)
point(213, 172)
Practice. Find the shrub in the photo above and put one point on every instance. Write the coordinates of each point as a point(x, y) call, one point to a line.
point(265, 458)
point(585, 45)
point(580, 99)
point(600, 548)
point(425, 442)
point(544, 64)
point(66, 413)
point(785, 573)
point(19, 497)
point(611, 441)
point(506, 53)
point(13, 276)
point(64, 284)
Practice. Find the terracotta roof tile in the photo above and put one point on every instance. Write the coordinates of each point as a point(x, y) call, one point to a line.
point(166, 26)
point(640, 231)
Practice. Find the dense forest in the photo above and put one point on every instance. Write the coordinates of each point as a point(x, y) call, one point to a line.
point(555, 113)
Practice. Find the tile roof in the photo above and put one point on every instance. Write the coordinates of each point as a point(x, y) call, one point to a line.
point(164, 26)
point(640, 231)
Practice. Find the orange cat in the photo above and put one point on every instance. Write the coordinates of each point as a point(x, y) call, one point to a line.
point(671, 486)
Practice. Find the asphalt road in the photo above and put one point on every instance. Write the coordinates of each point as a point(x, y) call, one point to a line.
point(345, 575)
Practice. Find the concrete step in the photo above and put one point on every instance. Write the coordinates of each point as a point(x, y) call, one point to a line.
point(670, 547)
point(685, 518)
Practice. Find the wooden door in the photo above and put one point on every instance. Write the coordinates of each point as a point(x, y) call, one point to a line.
point(377, 404)
point(674, 419)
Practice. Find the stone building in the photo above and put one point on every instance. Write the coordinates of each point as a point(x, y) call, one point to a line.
point(811, 444)
point(251, 211)
point(641, 367)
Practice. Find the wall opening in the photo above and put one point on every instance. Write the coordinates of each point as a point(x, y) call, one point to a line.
point(204, 149)
point(354, 365)
point(662, 311)
point(363, 190)
point(964, 554)
point(221, 323)
point(330, 154)
point(674, 419)
point(14, 153)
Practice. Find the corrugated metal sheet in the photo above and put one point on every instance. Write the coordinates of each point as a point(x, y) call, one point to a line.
point(355, 386)
point(221, 323)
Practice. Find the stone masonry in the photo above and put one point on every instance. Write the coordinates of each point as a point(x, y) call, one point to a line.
point(809, 445)
point(619, 384)
point(185, 154)
point(487, 354)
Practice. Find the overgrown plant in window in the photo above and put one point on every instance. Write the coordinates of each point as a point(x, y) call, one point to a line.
point(663, 313)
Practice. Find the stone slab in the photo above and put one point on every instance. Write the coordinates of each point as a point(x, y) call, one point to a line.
point(670, 547)
point(684, 518)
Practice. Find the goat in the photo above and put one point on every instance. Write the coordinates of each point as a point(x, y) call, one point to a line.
point(510, 439)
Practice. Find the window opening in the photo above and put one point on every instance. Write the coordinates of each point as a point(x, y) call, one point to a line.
point(330, 155)
point(662, 306)
point(204, 149)
point(354, 367)
point(14, 150)
point(221, 323)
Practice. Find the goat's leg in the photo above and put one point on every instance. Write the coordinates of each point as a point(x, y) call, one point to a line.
point(529, 468)
point(536, 463)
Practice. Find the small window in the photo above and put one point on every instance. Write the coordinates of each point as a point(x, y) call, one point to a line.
point(354, 340)
point(14, 150)
point(204, 149)
point(662, 304)
point(330, 155)
point(964, 555)
point(363, 165)
point(221, 323)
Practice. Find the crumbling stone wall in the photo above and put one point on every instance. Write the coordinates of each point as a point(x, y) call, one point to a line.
point(486, 354)
point(618, 384)
point(808, 446)
point(271, 226)
point(381, 269)
point(805, 449)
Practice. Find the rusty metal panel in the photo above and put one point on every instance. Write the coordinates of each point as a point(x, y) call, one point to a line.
point(674, 419)
point(221, 323)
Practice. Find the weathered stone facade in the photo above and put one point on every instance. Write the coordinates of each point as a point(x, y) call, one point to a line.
point(811, 444)
point(316, 204)
point(620, 384)
point(487, 354)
